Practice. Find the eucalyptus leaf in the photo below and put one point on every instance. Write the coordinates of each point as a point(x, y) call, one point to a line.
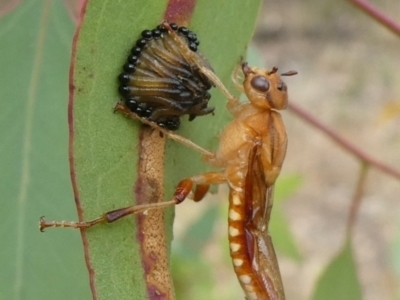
point(105, 145)
point(35, 42)
point(339, 280)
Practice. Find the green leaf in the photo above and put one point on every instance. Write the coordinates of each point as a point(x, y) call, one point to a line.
point(198, 234)
point(285, 187)
point(105, 144)
point(35, 41)
point(339, 281)
point(193, 276)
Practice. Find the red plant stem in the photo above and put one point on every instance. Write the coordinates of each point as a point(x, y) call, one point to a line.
point(358, 194)
point(344, 143)
point(180, 11)
point(378, 15)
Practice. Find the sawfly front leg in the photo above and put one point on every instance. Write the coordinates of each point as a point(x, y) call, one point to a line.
point(201, 184)
point(197, 63)
point(237, 77)
point(120, 107)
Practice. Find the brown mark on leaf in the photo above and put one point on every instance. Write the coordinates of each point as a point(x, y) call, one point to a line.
point(150, 188)
point(151, 232)
point(71, 154)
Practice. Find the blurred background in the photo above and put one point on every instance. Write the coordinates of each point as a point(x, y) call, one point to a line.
point(348, 77)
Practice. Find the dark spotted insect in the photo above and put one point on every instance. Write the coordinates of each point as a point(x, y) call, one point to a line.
point(161, 81)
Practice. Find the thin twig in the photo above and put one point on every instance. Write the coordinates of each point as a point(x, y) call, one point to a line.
point(378, 15)
point(358, 194)
point(344, 143)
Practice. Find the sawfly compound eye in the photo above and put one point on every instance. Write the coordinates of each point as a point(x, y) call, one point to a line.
point(260, 83)
point(159, 81)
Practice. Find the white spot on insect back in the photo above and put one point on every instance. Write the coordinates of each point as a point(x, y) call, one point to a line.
point(245, 279)
point(249, 288)
point(237, 262)
point(236, 200)
point(233, 215)
point(233, 231)
point(234, 247)
point(251, 296)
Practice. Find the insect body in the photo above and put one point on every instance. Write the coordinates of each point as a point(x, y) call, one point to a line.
point(160, 83)
point(251, 153)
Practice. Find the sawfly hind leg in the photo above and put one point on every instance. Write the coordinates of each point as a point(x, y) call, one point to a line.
point(185, 186)
point(108, 217)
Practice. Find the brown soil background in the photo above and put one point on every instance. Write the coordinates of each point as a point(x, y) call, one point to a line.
point(349, 73)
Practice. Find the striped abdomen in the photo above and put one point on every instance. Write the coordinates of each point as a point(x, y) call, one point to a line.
point(251, 248)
